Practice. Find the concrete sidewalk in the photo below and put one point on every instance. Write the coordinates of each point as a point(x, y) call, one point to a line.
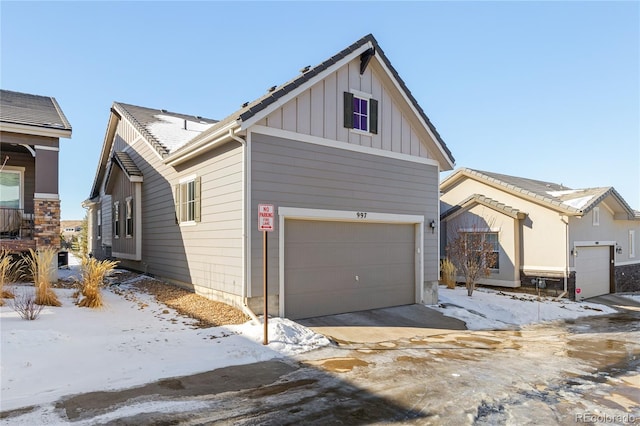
point(383, 325)
point(616, 301)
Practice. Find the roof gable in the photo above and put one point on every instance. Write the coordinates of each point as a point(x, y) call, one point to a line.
point(32, 114)
point(575, 202)
point(366, 49)
point(479, 199)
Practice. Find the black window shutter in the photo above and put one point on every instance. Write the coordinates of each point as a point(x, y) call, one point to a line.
point(373, 116)
point(348, 110)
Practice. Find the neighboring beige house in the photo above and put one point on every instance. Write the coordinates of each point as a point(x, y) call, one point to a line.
point(343, 151)
point(583, 241)
point(30, 130)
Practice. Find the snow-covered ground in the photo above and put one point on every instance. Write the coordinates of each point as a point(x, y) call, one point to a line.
point(491, 309)
point(134, 340)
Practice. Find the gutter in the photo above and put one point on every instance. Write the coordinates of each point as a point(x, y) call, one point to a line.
point(245, 306)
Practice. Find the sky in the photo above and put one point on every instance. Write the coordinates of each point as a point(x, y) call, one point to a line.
point(545, 90)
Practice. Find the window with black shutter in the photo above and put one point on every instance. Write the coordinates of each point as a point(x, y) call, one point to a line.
point(360, 113)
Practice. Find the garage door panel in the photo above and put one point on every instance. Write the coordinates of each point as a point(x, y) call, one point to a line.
point(339, 301)
point(323, 259)
point(592, 271)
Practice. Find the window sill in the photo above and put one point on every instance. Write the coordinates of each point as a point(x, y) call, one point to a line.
point(190, 223)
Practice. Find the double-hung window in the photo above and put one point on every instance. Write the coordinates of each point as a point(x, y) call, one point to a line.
point(116, 219)
point(99, 224)
point(187, 199)
point(128, 224)
point(360, 112)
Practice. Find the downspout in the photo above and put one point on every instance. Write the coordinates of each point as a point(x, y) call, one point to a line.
point(567, 252)
point(245, 307)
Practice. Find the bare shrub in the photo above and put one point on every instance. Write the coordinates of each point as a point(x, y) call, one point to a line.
point(25, 305)
point(42, 267)
point(471, 248)
point(93, 274)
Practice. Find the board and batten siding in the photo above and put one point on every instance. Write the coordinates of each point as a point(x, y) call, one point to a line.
point(121, 189)
point(289, 173)
point(318, 112)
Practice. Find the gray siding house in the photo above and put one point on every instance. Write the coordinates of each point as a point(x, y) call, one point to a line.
point(580, 241)
point(343, 151)
point(30, 130)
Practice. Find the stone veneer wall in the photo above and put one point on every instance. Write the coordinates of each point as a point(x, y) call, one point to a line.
point(627, 278)
point(46, 231)
point(554, 284)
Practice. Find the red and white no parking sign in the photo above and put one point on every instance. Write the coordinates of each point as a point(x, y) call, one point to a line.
point(265, 217)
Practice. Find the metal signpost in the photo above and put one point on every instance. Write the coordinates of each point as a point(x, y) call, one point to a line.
point(265, 224)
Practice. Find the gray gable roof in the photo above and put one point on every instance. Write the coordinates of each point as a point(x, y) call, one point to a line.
point(557, 196)
point(486, 201)
point(32, 110)
point(249, 109)
point(126, 163)
point(166, 131)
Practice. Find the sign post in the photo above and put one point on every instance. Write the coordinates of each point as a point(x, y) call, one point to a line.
point(265, 224)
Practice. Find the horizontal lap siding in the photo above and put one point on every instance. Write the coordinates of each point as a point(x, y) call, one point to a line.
point(289, 173)
point(209, 253)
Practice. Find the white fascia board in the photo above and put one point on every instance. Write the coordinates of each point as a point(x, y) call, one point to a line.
point(35, 130)
point(211, 141)
point(280, 102)
point(347, 216)
point(593, 243)
point(415, 111)
point(46, 148)
point(286, 134)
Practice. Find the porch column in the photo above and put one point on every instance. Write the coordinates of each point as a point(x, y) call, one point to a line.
point(46, 200)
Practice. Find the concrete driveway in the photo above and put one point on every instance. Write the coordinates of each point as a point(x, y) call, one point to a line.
point(616, 301)
point(383, 325)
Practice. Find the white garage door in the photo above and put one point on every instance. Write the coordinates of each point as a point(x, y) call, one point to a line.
point(335, 267)
point(592, 271)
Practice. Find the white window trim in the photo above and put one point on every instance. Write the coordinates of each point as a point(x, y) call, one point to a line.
point(128, 214)
point(99, 224)
point(632, 243)
point(20, 172)
point(368, 97)
point(182, 181)
point(116, 219)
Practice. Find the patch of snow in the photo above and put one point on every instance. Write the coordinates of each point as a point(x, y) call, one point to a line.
point(491, 309)
point(171, 131)
point(564, 192)
point(578, 203)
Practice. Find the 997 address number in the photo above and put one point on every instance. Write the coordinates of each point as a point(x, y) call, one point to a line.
point(361, 215)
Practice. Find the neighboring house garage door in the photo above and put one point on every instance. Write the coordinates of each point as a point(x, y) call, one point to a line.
point(592, 271)
point(335, 267)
